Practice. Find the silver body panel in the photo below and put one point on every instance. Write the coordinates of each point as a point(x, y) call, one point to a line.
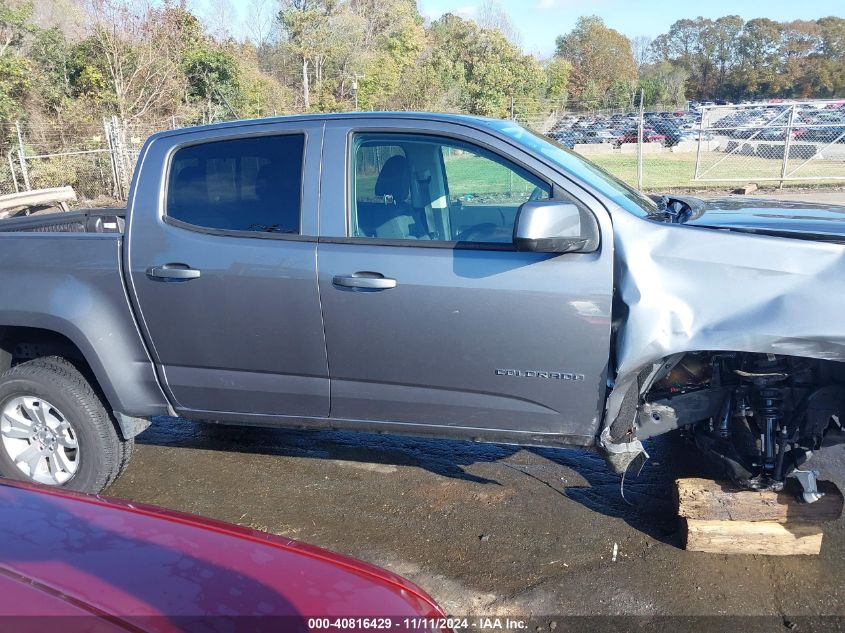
point(246, 336)
point(690, 289)
point(443, 347)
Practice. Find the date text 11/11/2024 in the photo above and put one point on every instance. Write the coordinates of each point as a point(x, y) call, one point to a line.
point(419, 624)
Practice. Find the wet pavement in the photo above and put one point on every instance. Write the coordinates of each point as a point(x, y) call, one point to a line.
point(485, 529)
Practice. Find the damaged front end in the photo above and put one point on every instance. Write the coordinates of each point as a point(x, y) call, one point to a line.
point(735, 337)
point(759, 416)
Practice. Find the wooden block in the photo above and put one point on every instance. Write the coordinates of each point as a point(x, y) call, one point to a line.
point(707, 500)
point(754, 537)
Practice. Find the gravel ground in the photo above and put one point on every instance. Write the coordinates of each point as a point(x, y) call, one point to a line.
point(485, 529)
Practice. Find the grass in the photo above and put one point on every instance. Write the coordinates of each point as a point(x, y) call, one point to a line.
point(668, 171)
point(474, 175)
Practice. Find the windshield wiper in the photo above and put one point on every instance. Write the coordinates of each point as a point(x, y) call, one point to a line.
point(673, 211)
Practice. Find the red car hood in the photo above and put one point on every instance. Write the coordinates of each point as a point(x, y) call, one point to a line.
point(137, 566)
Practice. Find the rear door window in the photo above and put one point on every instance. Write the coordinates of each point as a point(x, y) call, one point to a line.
point(248, 184)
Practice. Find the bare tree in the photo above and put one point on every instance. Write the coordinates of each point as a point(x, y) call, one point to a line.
point(492, 15)
point(261, 21)
point(219, 18)
point(139, 47)
point(641, 48)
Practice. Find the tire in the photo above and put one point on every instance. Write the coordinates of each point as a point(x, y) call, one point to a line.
point(99, 454)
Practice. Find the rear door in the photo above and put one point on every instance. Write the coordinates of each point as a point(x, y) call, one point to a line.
point(222, 262)
point(432, 319)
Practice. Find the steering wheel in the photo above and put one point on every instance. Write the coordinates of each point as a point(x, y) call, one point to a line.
point(536, 194)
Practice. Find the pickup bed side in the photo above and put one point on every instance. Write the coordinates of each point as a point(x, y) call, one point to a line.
point(65, 292)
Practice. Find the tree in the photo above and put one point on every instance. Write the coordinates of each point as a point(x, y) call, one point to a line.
point(15, 68)
point(479, 71)
point(663, 83)
point(136, 47)
point(306, 26)
point(557, 79)
point(599, 56)
point(52, 54)
point(641, 49)
point(760, 61)
point(392, 39)
point(492, 15)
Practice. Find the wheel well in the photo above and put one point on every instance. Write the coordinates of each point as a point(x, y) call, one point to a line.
point(685, 388)
point(20, 344)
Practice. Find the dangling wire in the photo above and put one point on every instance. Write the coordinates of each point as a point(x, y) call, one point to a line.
point(645, 458)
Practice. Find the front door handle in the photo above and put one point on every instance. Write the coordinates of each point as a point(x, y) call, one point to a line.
point(173, 272)
point(364, 280)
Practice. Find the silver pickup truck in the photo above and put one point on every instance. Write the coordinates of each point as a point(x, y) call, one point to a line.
point(417, 273)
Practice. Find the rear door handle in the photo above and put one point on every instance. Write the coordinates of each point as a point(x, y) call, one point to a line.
point(173, 272)
point(364, 280)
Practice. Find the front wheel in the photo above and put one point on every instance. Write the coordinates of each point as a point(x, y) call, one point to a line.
point(55, 429)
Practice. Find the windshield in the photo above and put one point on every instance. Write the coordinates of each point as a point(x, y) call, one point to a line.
point(622, 194)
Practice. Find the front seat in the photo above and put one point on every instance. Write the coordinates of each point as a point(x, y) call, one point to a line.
point(395, 218)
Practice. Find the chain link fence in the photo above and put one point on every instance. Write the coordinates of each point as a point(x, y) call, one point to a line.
point(658, 149)
point(801, 141)
point(96, 159)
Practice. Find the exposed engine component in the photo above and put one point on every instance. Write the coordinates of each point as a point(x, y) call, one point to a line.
point(760, 416)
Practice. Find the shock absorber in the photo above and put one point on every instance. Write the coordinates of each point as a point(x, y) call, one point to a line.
point(771, 415)
point(766, 376)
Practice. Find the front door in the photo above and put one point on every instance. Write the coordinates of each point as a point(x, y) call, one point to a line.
point(431, 317)
point(223, 266)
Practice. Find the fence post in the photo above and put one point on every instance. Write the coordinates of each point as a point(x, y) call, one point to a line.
point(787, 142)
point(119, 141)
point(640, 145)
point(698, 149)
point(112, 158)
point(12, 171)
point(22, 156)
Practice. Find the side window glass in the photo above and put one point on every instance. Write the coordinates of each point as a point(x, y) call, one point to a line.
point(485, 193)
point(417, 187)
point(382, 192)
point(249, 184)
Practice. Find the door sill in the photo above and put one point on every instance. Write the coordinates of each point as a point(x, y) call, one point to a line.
point(474, 434)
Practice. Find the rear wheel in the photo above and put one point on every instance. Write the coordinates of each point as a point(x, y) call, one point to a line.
point(55, 429)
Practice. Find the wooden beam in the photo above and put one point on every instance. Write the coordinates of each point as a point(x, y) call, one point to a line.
point(56, 195)
point(707, 500)
point(754, 537)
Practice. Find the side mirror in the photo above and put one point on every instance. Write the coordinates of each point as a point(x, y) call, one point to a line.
point(552, 226)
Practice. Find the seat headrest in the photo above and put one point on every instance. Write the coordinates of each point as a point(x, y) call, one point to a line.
point(394, 179)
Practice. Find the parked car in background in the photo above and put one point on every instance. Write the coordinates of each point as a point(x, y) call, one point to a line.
point(632, 136)
point(130, 566)
point(599, 135)
point(669, 129)
point(567, 138)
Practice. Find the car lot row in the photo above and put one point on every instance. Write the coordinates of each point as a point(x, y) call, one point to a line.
point(766, 122)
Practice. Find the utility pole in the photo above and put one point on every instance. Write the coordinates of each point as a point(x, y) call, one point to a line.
point(354, 87)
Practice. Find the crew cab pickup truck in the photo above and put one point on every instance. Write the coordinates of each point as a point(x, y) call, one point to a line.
point(416, 273)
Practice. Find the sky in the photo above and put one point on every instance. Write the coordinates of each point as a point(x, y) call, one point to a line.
point(541, 21)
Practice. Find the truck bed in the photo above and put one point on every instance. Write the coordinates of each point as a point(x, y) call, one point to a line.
point(79, 221)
